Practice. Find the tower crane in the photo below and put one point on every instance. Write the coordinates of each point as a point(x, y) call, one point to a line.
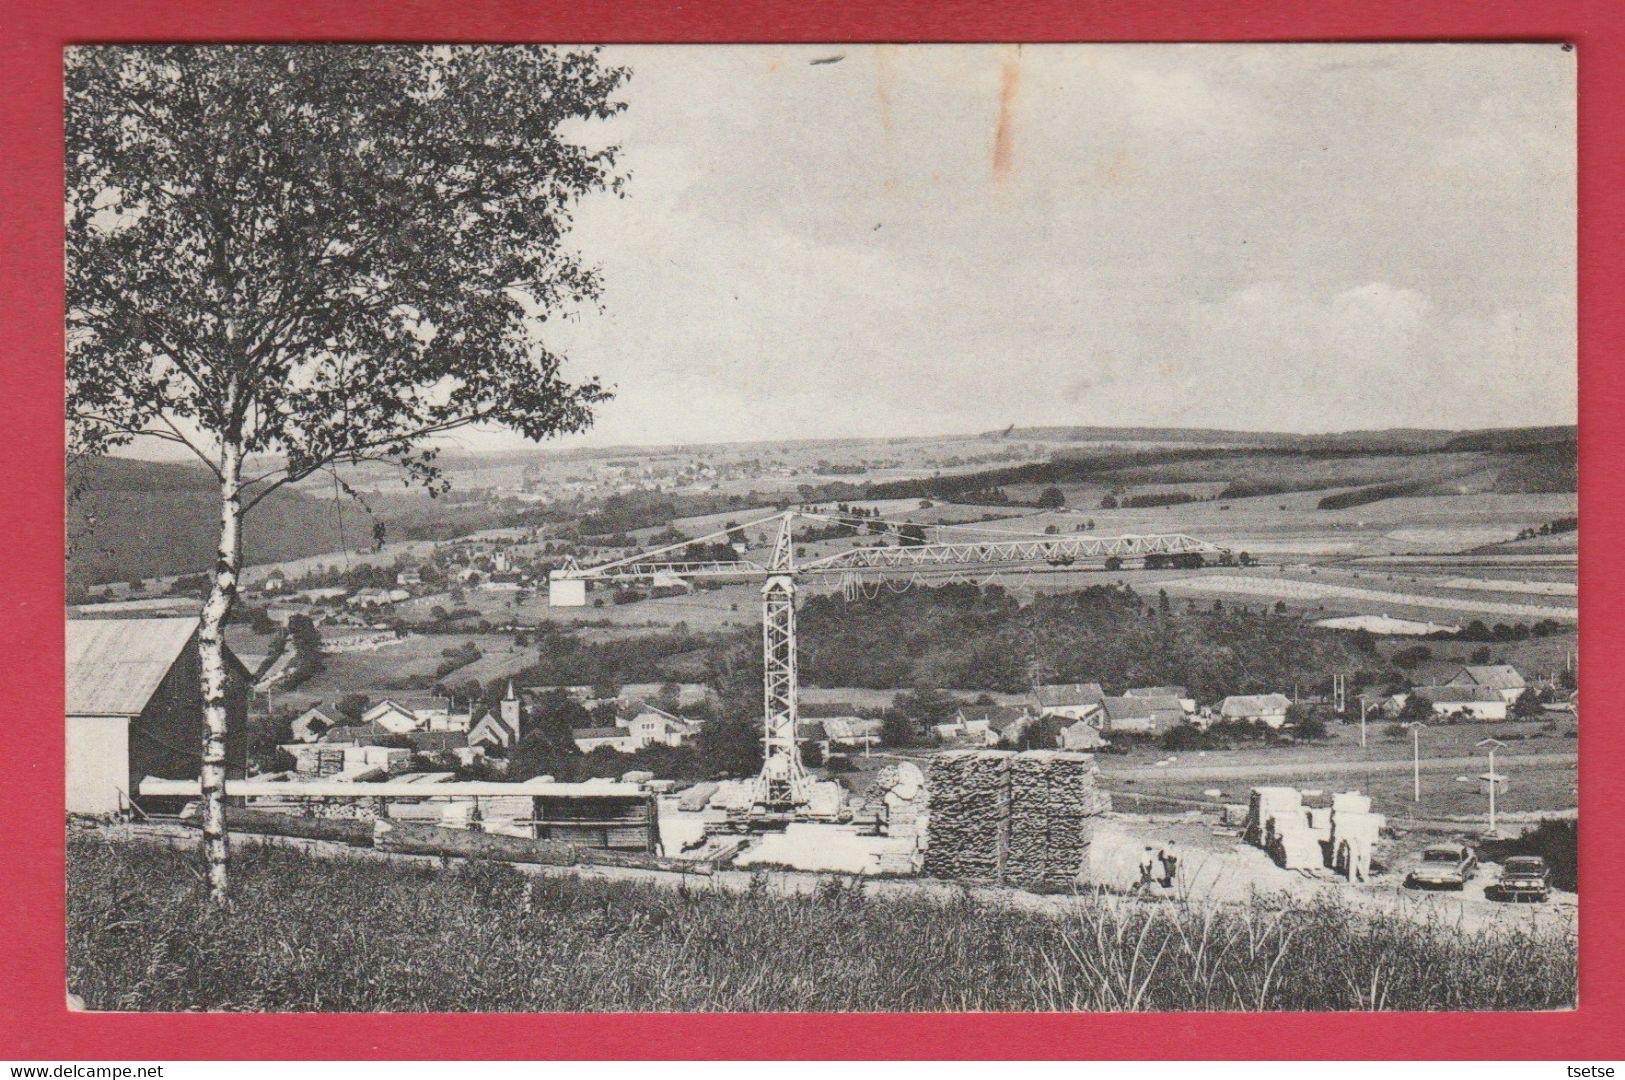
point(783, 785)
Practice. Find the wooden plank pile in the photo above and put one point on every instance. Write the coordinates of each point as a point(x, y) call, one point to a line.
point(969, 794)
point(1053, 799)
point(1024, 818)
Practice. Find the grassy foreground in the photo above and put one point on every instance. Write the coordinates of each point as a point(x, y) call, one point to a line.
point(305, 934)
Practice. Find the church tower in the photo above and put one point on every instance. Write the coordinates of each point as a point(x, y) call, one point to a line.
point(512, 709)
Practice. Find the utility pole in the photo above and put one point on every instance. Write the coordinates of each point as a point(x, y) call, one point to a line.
point(1494, 779)
point(1365, 706)
point(1416, 727)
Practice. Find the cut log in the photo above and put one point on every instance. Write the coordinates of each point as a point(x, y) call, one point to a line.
point(639, 860)
point(410, 839)
point(240, 819)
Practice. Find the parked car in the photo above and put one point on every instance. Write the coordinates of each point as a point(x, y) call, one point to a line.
point(1523, 877)
point(1444, 867)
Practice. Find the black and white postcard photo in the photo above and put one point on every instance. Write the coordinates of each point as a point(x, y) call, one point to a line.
point(821, 529)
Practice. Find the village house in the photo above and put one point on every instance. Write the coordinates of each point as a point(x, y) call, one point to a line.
point(653, 726)
point(1075, 701)
point(1077, 735)
point(1141, 715)
point(1007, 730)
point(616, 738)
point(852, 732)
point(1267, 709)
point(309, 725)
point(1476, 702)
point(1178, 693)
point(1504, 679)
point(975, 721)
point(392, 716)
point(134, 705)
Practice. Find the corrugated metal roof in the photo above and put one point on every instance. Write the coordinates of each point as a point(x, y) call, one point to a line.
point(114, 666)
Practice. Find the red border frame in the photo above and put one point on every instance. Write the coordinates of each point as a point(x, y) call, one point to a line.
point(32, 1011)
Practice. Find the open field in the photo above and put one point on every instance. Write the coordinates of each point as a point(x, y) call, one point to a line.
point(411, 664)
point(1300, 591)
point(1541, 767)
point(140, 938)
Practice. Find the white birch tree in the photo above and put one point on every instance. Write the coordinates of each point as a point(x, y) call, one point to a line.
point(286, 259)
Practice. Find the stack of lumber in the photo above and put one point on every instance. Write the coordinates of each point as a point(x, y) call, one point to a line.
point(1294, 844)
point(359, 809)
point(1347, 824)
point(969, 797)
point(1054, 796)
point(1264, 805)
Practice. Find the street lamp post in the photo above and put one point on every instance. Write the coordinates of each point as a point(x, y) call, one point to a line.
point(1492, 744)
point(1416, 727)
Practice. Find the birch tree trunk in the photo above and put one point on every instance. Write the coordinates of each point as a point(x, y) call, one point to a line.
point(216, 679)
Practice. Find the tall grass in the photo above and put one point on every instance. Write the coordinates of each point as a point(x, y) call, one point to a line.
point(305, 934)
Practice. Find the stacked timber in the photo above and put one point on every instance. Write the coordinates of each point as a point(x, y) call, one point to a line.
point(969, 799)
point(1054, 797)
point(1293, 844)
point(1265, 804)
point(357, 809)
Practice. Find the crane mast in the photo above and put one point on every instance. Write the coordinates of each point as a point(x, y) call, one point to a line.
point(784, 786)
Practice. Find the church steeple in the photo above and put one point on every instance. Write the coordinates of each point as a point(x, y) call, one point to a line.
point(512, 710)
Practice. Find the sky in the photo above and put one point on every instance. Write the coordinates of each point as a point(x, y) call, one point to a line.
point(916, 240)
point(927, 239)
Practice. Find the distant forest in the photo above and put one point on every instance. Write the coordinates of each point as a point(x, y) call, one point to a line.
point(982, 638)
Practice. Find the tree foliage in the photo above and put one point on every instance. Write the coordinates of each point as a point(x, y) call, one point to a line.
point(326, 252)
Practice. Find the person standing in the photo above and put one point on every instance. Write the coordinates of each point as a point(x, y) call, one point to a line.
point(1148, 870)
point(1170, 863)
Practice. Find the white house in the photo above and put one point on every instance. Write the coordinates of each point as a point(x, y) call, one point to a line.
point(393, 717)
point(1268, 709)
point(652, 726)
point(1504, 679)
point(1478, 702)
point(310, 724)
point(1075, 701)
point(616, 738)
